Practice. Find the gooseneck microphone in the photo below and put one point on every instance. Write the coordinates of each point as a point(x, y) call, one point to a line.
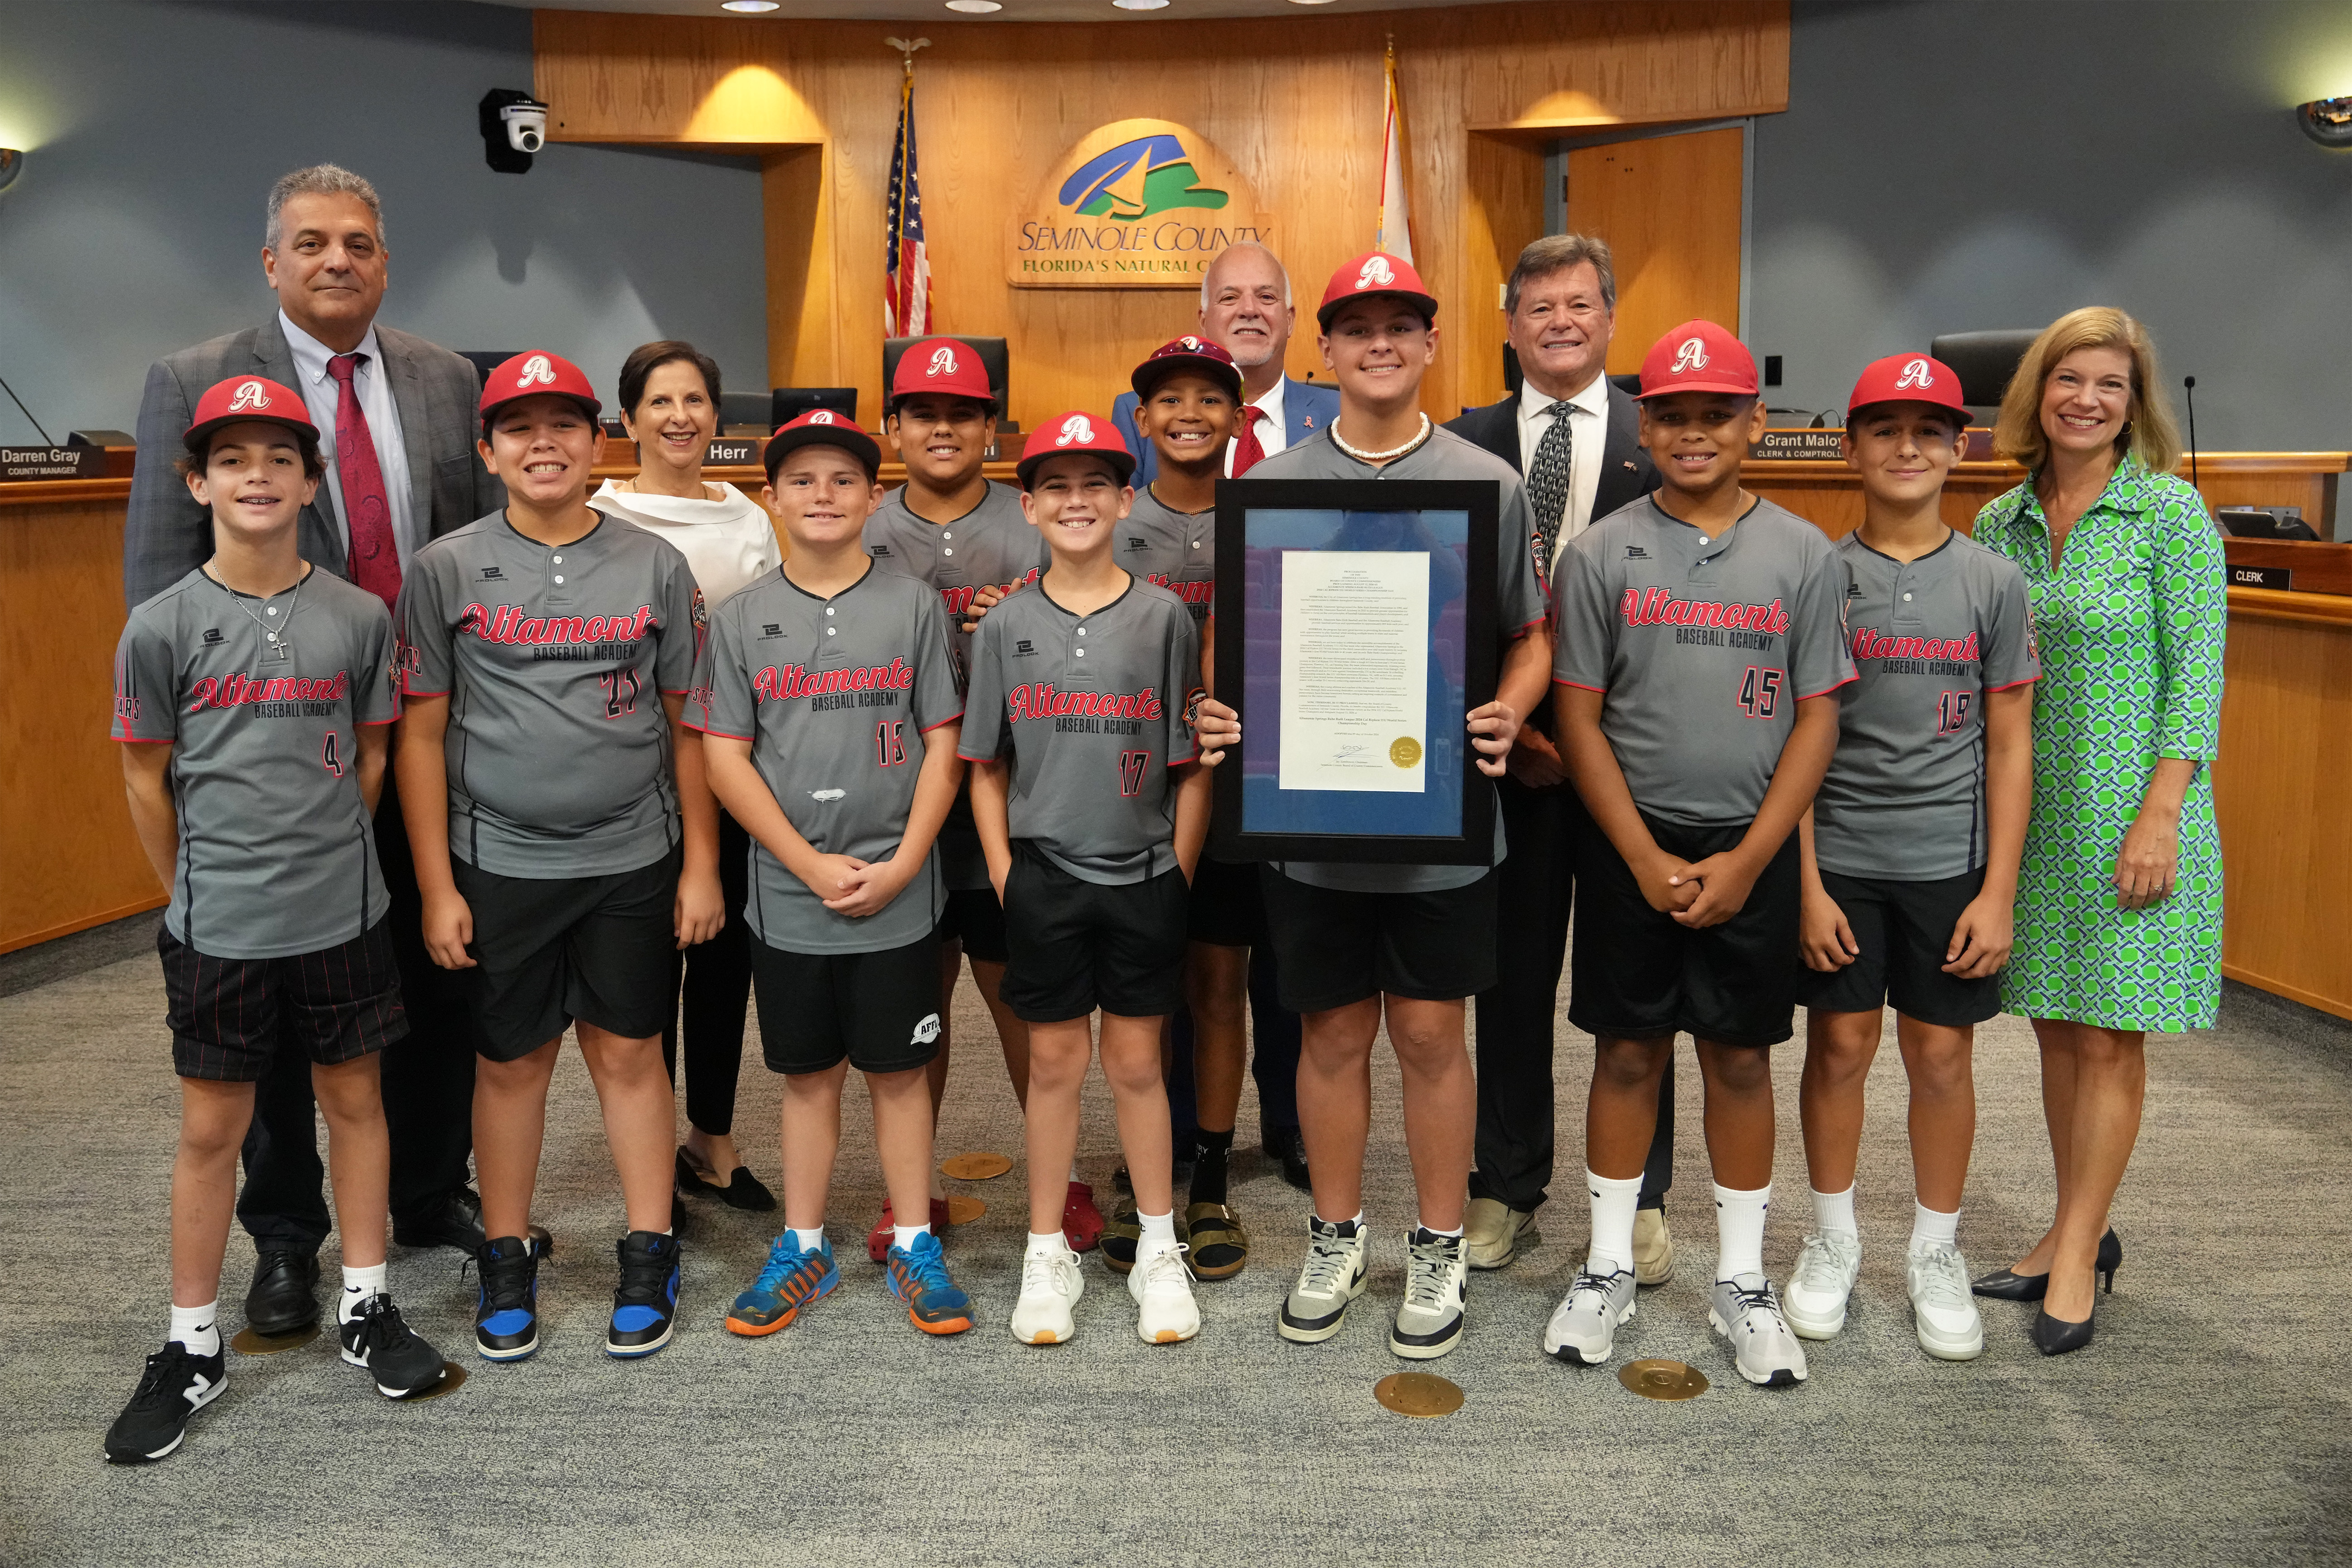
point(2188, 386)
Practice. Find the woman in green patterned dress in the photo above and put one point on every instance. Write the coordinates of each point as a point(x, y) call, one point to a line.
point(2119, 898)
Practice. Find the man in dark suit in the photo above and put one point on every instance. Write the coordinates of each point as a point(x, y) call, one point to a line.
point(398, 418)
point(1573, 436)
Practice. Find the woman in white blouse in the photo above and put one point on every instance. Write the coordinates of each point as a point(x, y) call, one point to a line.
point(670, 400)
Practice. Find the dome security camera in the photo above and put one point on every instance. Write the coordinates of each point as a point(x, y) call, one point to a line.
point(513, 126)
point(526, 126)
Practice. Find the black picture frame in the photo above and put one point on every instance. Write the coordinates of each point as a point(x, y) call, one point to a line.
point(1231, 839)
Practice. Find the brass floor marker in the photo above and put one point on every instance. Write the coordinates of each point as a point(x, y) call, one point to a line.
point(452, 1378)
point(962, 1210)
point(1418, 1394)
point(975, 1167)
point(1662, 1379)
point(248, 1343)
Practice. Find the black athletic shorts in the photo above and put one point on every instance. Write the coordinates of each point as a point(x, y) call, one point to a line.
point(880, 1010)
point(1635, 974)
point(1333, 948)
point(229, 1016)
point(1078, 945)
point(551, 950)
point(1903, 929)
point(973, 918)
point(1228, 906)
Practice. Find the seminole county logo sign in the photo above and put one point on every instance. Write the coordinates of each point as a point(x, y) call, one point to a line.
point(1139, 204)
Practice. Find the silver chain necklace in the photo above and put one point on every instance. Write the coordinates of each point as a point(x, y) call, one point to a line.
point(1387, 457)
point(276, 648)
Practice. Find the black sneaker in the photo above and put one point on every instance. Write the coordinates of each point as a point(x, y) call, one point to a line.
point(177, 1385)
point(505, 1312)
point(377, 1339)
point(646, 1303)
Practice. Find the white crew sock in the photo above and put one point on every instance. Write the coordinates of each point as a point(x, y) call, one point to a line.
point(1158, 1231)
point(812, 1240)
point(1930, 1230)
point(1048, 1243)
point(1739, 1230)
point(1074, 1172)
point(1613, 1202)
point(198, 1328)
point(359, 1283)
point(1833, 1212)
point(906, 1234)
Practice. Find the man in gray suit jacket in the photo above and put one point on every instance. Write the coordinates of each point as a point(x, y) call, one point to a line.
point(402, 468)
point(1574, 437)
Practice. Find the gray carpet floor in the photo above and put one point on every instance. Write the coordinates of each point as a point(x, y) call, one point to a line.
point(2206, 1425)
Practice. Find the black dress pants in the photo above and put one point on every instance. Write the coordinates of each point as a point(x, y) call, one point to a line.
point(715, 980)
point(1517, 1017)
point(429, 1085)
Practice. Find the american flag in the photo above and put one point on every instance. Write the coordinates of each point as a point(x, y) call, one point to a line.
point(907, 294)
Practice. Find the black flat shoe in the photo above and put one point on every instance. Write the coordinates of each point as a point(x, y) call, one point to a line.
point(2056, 1336)
point(742, 1190)
point(2008, 1286)
point(279, 1301)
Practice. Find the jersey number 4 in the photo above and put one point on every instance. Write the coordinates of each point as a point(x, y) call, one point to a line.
point(890, 742)
point(1759, 692)
point(1130, 772)
point(621, 688)
point(331, 755)
point(1952, 711)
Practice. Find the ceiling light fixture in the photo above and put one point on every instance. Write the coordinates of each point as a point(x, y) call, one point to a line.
point(1310, 2)
point(2326, 120)
point(749, 6)
point(976, 8)
point(12, 164)
point(1140, 4)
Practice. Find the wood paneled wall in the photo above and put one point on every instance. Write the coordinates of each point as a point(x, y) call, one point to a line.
point(1293, 102)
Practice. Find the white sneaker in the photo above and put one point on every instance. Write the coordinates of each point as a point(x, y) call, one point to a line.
point(1332, 1276)
point(1437, 1281)
point(1747, 1311)
point(1051, 1285)
point(1163, 1289)
point(1821, 1281)
point(1584, 1332)
point(1942, 1307)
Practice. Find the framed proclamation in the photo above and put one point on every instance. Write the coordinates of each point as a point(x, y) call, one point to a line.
point(1355, 631)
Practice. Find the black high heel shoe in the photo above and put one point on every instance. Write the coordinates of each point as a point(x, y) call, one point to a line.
point(2056, 1336)
point(2006, 1286)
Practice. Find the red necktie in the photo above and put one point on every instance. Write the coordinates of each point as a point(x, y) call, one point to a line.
point(375, 557)
point(1247, 452)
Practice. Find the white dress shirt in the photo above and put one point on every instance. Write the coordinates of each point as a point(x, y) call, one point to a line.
point(1272, 431)
point(1590, 411)
point(320, 393)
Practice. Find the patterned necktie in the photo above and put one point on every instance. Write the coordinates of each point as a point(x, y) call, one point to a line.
point(1247, 450)
point(1547, 488)
point(374, 557)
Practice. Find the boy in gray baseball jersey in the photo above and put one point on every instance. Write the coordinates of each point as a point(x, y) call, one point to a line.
point(1911, 849)
point(1079, 724)
point(254, 698)
point(546, 651)
point(1699, 656)
point(829, 701)
point(1360, 944)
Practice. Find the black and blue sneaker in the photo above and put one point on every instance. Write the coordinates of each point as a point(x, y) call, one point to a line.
point(506, 1313)
point(646, 1303)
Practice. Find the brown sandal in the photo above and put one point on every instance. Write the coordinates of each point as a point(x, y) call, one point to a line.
point(1218, 1246)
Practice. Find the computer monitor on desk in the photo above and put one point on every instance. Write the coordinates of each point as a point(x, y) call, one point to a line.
point(786, 403)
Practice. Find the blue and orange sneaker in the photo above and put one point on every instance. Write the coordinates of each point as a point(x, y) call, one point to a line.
point(919, 1277)
point(505, 1310)
point(645, 1305)
point(792, 1278)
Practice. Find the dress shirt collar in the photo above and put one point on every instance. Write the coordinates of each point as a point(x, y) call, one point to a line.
point(1271, 401)
point(1593, 399)
point(310, 355)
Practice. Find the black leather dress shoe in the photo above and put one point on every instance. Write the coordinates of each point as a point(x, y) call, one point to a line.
point(280, 1301)
point(1289, 1145)
point(454, 1219)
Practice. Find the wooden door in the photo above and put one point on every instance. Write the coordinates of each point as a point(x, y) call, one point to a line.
point(1669, 207)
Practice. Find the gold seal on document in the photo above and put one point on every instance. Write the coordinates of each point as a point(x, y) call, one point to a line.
point(1404, 750)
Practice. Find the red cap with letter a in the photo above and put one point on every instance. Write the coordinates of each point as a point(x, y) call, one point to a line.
point(1188, 355)
point(823, 428)
point(531, 373)
point(249, 397)
point(1698, 356)
point(1076, 431)
point(1375, 272)
point(942, 365)
point(1908, 378)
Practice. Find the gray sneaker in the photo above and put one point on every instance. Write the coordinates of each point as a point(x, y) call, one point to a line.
point(1949, 1328)
point(1747, 1311)
point(1436, 1277)
point(1332, 1276)
point(1822, 1282)
point(1584, 1332)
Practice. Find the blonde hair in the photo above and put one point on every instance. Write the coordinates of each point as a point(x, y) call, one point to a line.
point(2150, 435)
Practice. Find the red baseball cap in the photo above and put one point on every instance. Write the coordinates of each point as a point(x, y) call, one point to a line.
point(823, 428)
point(1076, 431)
point(1698, 356)
point(531, 373)
point(1908, 378)
point(942, 365)
point(1375, 272)
point(1191, 355)
point(242, 397)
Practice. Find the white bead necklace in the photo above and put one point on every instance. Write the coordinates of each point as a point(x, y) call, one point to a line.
point(1387, 457)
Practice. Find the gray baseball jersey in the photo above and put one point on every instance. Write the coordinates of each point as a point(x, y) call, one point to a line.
point(276, 856)
point(1905, 797)
point(555, 659)
point(1518, 609)
point(991, 545)
point(1704, 647)
point(1093, 710)
point(1173, 549)
point(835, 696)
